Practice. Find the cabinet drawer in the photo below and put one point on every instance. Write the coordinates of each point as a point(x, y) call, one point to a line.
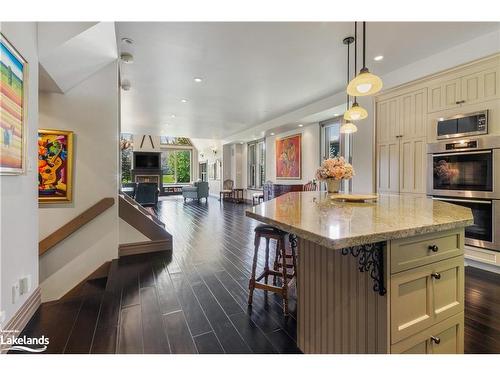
point(426, 295)
point(446, 337)
point(407, 253)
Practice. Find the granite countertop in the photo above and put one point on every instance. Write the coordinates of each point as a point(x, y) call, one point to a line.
point(315, 217)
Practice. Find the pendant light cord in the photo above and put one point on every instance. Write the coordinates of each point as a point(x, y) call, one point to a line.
point(348, 48)
point(364, 45)
point(355, 52)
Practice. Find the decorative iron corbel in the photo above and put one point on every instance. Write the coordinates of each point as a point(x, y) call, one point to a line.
point(370, 259)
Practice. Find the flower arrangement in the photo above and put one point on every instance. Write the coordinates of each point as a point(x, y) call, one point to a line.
point(336, 168)
point(333, 171)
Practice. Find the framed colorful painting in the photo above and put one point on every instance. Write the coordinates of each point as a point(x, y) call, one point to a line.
point(289, 158)
point(13, 109)
point(55, 159)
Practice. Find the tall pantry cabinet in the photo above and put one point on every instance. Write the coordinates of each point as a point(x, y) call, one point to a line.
point(401, 142)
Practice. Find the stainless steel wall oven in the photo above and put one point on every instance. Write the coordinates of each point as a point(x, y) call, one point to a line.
point(467, 172)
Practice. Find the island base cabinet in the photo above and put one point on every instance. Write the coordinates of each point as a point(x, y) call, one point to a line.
point(424, 296)
point(446, 337)
point(338, 310)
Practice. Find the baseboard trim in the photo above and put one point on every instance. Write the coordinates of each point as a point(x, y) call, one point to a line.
point(145, 247)
point(21, 318)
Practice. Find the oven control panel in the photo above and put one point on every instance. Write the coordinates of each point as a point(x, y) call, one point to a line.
point(461, 145)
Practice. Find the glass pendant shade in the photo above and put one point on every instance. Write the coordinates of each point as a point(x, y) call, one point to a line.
point(365, 83)
point(355, 113)
point(348, 128)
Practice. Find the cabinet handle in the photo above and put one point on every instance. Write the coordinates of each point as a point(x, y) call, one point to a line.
point(460, 102)
point(435, 339)
point(436, 275)
point(434, 248)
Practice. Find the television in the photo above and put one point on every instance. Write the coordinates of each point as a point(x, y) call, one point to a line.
point(146, 160)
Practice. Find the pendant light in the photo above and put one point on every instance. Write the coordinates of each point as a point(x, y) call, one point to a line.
point(356, 112)
point(365, 83)
point(348, 127)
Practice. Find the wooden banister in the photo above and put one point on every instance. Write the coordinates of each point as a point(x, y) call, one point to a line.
point(72, 226)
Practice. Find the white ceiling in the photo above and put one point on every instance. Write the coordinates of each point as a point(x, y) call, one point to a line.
point(254, 72)
point(71, 52)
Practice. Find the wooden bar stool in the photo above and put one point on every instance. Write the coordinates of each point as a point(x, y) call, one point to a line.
point(280, 267)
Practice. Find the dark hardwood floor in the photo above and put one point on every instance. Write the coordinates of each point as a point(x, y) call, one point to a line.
point(196, 301)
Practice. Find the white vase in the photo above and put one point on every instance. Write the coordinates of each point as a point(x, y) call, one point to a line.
point(333, 185)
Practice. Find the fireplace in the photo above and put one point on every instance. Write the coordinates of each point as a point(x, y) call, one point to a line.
point(147, 168)
point(147, 178)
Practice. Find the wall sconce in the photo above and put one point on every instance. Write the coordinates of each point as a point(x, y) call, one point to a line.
point(202, 155)
point(214, 150)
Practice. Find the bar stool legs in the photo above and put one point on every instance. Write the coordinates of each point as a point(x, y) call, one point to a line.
point(280, 267)
point(251, 284)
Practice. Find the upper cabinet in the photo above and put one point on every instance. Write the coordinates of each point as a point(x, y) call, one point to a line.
point(401, 130)
point(469, 89)
point(445, 95)
point(481, 86)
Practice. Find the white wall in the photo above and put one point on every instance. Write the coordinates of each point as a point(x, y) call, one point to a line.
point(91, 111)
point(128, 234)
point(310, 154)
point(18, 203)
point(363, 158)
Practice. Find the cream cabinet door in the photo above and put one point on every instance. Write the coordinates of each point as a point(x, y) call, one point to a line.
point(412, 165)
point(388, 166)
point(424, 296)
point(412, 114)
point(446, 337)
point(445, 95)
point(388, 127)
point(388, 133)
point(480, 86)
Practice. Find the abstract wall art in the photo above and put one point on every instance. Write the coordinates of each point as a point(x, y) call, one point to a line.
point(289, 157)
point(55, 154)
point(13, 103)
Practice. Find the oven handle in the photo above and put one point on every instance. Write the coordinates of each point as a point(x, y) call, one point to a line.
point(462, 153)
point(461, 200)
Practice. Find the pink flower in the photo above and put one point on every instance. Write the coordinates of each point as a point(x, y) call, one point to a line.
point(336, 168)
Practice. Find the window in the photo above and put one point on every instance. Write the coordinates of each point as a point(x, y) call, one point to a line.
point(126, 147)
point(331, 144)
point(203, 171)
point(175, 141)
point(256, 164)
point(176, 166)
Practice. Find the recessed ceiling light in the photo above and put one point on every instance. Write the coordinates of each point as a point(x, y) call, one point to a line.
point(301, 125)
point(272, 133)
point(127, 57)
point(335, 114)
point(378, 58)
point(198, 79)
point(241, 143)
point(184, 100)
point(173, 116)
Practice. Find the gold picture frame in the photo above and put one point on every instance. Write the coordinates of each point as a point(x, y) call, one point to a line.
point(13, 109)
point(55, 166)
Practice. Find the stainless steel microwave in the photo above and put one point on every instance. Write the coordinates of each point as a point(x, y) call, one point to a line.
point(463, 125)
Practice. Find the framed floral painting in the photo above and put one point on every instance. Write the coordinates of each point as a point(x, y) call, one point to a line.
point(13, 109)
point(55, 159)
point(289, 157)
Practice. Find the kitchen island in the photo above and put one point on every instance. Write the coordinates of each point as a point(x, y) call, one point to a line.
point(375, 277)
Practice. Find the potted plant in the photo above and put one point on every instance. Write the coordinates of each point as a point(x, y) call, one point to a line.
point(333, 171)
